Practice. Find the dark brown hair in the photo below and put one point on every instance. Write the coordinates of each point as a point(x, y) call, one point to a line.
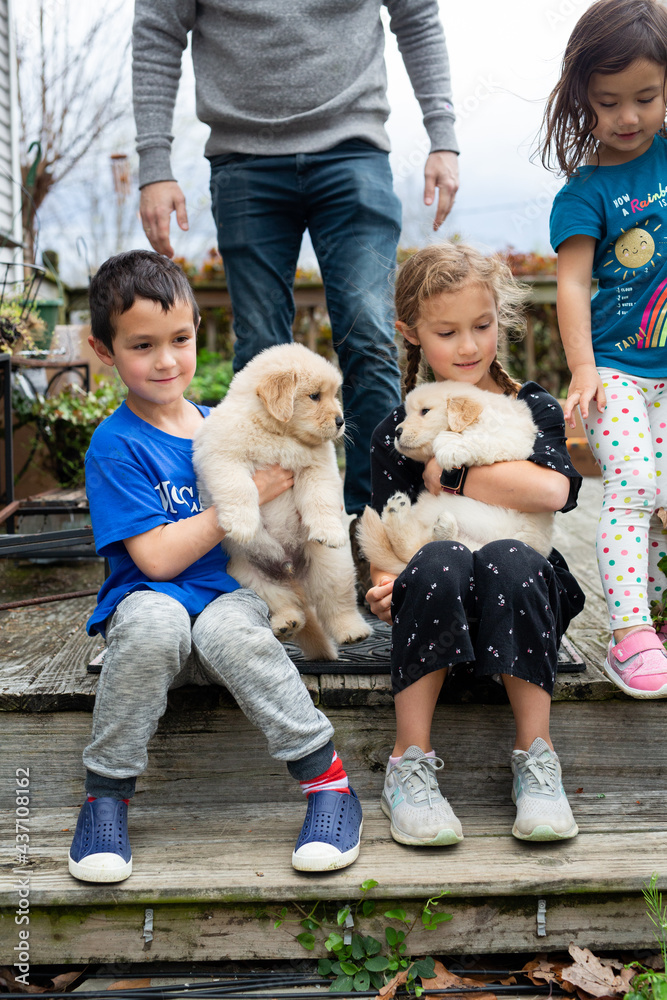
point(135, 274)
point(447, 268)
point(609, 36)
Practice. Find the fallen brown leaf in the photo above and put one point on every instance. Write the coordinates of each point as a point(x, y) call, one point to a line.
point(545, 970)
point(129, 984)
point(597, 976)
point(389, 989)
point(444, 979)
point(662, 514)
point(8, 979)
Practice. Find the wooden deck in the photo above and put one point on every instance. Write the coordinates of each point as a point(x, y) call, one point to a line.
point(214, 820)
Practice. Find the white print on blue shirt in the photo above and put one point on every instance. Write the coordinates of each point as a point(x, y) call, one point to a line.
point(178, 495)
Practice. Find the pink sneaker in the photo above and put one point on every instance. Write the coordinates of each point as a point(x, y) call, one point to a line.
point(638, 664)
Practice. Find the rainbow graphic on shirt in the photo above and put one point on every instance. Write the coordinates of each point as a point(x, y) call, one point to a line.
point(653, 326)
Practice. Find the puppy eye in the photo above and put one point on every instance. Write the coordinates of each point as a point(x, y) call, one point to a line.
point(315, 396)
point(425, 411)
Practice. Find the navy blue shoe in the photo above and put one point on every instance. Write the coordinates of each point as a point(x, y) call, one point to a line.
point(100, 851)
point(330, 834)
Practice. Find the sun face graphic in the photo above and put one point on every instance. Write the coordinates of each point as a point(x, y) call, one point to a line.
point(634, 249)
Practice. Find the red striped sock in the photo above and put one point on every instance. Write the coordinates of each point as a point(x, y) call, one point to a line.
point(334, 779)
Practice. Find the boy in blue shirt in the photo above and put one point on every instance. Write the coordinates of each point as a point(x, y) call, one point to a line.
point(170, 612)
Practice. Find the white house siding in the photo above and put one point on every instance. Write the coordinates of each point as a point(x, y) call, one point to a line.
point(10, 192)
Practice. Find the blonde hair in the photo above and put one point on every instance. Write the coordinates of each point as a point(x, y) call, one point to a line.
point(447, 268)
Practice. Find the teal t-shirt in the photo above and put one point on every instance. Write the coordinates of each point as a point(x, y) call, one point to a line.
point(625, 208)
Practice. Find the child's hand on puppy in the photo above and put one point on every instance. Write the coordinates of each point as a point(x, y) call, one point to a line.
point(379, 597)
point(272, 481)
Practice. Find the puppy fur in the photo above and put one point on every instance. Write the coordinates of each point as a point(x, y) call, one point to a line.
point(294, 551)
point(459, 425)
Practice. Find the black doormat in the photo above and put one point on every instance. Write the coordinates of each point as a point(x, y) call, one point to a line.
point(371, 656)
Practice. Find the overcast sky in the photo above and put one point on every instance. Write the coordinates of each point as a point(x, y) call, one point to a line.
point(505, 58)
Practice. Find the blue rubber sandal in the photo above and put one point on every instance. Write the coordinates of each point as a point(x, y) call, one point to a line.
point(100, 851)
point(330, 834)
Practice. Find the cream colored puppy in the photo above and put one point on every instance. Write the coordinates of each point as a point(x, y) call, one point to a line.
point(459, 424)
point(282, 409)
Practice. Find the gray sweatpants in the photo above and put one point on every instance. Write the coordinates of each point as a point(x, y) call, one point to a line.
point(153, 645)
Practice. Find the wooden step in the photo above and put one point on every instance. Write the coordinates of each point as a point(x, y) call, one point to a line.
point(214, 822)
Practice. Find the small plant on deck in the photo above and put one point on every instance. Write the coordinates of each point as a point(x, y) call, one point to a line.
point(359, 962)
point(650, 984)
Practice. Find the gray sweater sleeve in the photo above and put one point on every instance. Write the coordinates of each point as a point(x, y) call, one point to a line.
point(421, 41)
point(272, 85)
point(159, 36)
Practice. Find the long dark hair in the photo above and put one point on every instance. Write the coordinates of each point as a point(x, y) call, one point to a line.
point(609, 36)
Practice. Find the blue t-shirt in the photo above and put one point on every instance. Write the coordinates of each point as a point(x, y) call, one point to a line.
point(625, 209)
point(137, 478)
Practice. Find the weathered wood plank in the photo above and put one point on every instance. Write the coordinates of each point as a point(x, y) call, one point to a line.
point(207, 933)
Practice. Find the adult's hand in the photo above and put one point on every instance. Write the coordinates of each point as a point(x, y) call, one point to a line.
point(441, 172)
point(156, 203)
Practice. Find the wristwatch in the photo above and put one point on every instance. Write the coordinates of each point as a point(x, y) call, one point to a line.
point(452, 481)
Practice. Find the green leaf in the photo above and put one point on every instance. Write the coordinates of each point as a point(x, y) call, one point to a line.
point(391, 934)
point(370, 883)
point(397, 914)
point(424, 968)
point(376, 963)
point(377, 979)
point(362, 981)
point(306, 940)
point(358, 950)
point(334, 942)
point(349, 968)
point(309, 925)
point(372, 945)
point(336, 969)
point(277, 924)
point(324, 966)
point(342, 916)
point(660, 987)
point(342, 984)
point(368, 907)
point(430, 923)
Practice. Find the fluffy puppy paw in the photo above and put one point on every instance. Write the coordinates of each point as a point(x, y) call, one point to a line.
point(450, 451)
point(350, 628)
point(242, 526)
point(287, 623)
point(333, 536)
point(445, 528)
point(397, 506)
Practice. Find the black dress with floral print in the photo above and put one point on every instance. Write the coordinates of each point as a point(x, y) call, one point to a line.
point(503, 608)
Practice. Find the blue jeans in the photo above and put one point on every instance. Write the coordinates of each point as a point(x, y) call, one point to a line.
point(344, 197)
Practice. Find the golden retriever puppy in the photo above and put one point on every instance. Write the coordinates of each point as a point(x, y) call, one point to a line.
point(283, 409)
point(459, 424)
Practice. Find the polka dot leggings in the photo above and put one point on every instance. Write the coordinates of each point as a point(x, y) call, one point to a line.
point(628, 441)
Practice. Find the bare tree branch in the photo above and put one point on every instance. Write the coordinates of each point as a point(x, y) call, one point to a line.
point(73, 87)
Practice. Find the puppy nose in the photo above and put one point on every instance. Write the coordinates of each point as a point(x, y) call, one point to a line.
point(398, 431)
point(340, 421)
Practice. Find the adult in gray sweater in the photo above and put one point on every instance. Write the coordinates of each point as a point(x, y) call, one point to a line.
point(294, 92)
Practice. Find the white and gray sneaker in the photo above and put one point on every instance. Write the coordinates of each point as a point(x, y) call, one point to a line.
point(419, 813)
point(542, 809)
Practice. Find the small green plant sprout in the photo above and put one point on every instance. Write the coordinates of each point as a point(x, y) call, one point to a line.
point(358, 962)
point(649, 984)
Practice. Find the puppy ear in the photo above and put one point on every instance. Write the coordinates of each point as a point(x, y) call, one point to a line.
point(276, 391)
point(461, 412)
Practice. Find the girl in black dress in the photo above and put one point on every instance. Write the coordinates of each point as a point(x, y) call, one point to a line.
point(502, 608)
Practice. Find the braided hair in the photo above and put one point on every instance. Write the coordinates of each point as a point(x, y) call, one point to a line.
point(446, 268)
